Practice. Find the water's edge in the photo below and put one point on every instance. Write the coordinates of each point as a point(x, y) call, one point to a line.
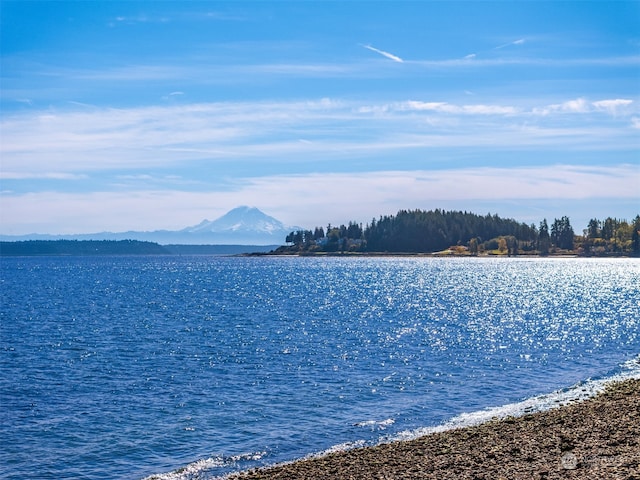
point(540, 403)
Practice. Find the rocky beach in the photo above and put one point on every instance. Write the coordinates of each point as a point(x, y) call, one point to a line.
point(598, 438)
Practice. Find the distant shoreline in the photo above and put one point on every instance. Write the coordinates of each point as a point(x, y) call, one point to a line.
point(59, 248)
point(429, 255)
point(66, 248)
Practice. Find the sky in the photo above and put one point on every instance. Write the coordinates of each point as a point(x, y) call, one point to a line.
point(147, 115)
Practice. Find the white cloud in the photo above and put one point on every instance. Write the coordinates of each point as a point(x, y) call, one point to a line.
point(172, 96)
point(5, 175)
point(132, 73)
point(539, 62)
point(489, 109)
point(201, 70)
point(612, 106)
point(459, 109)
point(581, 105)
point(314, 199)
point(635, 122)
point(98, 139)
point(121, 19)
point(390, 56)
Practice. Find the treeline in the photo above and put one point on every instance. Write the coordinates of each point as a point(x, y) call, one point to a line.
point(80, 247)
point(418, 231)
point(611, 236)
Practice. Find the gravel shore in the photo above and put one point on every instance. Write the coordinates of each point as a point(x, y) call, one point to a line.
point(595, 439)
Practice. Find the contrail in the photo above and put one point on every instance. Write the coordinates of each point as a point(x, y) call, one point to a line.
point(517, 42)
point(390, 56)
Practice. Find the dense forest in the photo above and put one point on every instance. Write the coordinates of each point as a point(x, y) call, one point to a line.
point(80, 247)
point(463, 233)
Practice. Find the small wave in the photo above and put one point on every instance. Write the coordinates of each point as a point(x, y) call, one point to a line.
point(630, 369)
point(579, 392)
point(376, 424)
point(337, 448)
point(198, 469)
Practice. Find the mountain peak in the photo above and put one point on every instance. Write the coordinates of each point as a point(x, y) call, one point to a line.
point(244, 211)
point(241, 219)
point(240, 226)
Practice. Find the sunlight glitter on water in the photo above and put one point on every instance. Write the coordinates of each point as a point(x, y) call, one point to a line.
point(197, 359)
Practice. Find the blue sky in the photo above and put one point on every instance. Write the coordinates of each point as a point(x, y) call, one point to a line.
point(156, 115)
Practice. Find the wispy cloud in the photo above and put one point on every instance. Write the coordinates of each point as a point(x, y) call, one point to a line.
point(176, 16)
point(5, 175)
point(520, 41)
point(334, 197)
point(612, 106)
point(172, 95)
point(390, 56)
point(444, 107)
point(581, 105)
point(100, 139)
point(198, 72)
point(132, 73)
point(480, 63)
point(138, 19)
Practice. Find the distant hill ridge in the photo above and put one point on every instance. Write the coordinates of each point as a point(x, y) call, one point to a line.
point(240, 226)
point(31, 248)
point(80, 247)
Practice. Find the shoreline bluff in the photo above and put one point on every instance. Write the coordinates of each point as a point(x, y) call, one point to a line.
point(598, 438)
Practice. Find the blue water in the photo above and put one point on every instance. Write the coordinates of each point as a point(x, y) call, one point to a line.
point(128, 367)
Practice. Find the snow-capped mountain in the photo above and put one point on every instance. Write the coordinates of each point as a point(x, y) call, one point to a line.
point(241, 220)
point(240, 226)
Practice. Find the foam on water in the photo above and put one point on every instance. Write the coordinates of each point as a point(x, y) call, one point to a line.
point(540, 403)
point(579, 392)
point(376, 424)
point(197, 469)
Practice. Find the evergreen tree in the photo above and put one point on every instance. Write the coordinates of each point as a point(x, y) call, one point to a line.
point(434, 230)
point(593, 229)
point(562, 233)
point(635, 236)
point(543, 238)
point(608, 229)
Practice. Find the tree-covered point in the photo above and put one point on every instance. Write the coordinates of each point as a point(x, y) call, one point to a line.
point(418, 231)
point(81, 247)
point(611, 236)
